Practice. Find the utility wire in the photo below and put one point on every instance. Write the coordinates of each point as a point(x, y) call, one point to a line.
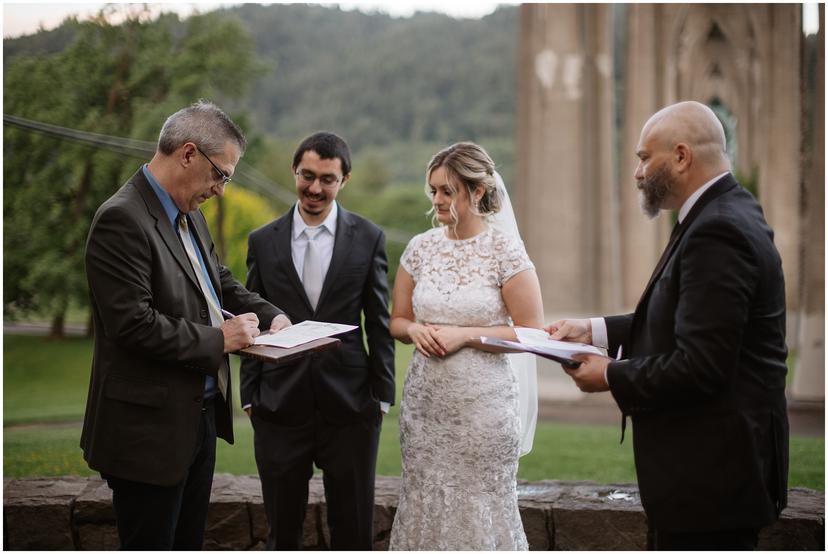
point(246, 175)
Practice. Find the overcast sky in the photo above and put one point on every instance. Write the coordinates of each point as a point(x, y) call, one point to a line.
point(25, 18)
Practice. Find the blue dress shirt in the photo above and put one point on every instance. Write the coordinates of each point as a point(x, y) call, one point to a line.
point(172, 212)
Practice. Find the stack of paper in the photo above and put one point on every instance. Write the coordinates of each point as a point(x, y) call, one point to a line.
point(302, 333)
point(538, 342)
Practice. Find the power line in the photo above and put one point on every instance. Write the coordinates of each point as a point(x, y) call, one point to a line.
point(246, 175)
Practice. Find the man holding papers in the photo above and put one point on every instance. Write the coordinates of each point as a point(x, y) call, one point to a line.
point(320, 262)
point(538, 342)
point(160, 391)
point(704, 374)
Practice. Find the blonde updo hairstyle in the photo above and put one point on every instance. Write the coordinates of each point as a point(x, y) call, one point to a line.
point(468, 165)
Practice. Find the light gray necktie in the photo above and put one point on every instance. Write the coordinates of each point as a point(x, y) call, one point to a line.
point(312, 266)
point(212, 307)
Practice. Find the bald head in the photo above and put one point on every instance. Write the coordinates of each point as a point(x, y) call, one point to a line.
point(681, 148)
point(695, 125)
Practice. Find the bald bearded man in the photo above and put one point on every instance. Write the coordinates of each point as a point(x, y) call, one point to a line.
point(703, 377)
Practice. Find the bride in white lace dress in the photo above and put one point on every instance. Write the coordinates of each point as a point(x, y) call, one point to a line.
point(459, 424)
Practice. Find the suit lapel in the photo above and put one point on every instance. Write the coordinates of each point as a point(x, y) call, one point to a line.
point(342, 247)
point(665, 256)
point(720, 187)
point(164, 227)
point(202, 232)
point(282, 253)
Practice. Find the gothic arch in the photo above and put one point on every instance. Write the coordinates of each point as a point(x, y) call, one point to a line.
point(715, 55)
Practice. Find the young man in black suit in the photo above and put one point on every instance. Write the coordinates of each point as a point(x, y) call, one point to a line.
point(704, 374)
point(160, 389)
point(321, 262)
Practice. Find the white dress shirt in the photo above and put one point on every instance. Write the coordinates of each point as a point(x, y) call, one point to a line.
point(324, 241)
point(599, 326)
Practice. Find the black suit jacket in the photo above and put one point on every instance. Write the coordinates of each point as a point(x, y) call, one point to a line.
point(154, 343)
point(345, 384)
point(705, 378)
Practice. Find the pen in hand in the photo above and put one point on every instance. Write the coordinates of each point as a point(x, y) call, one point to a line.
point(231, 315)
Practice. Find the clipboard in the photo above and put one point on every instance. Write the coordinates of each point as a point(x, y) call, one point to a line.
point(280, 356)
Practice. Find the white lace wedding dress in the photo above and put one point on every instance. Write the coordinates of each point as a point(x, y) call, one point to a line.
point(459, 424)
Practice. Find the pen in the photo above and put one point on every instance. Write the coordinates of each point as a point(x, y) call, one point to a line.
point(226, 314)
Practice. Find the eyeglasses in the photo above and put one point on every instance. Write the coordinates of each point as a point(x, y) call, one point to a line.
point(308, 177)
point(223, 177)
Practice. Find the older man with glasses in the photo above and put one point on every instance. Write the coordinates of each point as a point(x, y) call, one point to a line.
point(160, 386)
point(223, 178)
point(319, 261)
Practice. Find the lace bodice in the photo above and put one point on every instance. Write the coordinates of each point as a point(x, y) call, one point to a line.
point(458, 282)
point(459, 424)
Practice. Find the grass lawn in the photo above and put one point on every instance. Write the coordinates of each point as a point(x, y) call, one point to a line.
point(38, 390)
point(45, 380)
point(562, 451)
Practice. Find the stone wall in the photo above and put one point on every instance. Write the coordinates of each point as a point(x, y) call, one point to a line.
point(75, 513)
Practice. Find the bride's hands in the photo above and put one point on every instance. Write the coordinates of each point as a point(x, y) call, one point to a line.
point(437, 340)
point(425, 340)
point(452, 339)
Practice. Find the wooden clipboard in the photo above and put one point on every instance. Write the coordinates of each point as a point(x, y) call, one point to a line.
point(278, 356)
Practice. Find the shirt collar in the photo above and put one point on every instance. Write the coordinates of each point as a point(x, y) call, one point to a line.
point(166, 201)
point(299, 224)
point(690, 202)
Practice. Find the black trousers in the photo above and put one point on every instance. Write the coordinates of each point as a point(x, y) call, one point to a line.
point(151, 517)
point(726, 539)
point(347, 456)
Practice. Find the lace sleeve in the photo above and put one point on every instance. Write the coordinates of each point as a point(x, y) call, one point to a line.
point(513, 258)
point(411, 258)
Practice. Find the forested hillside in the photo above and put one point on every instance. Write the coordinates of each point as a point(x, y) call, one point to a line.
point(374, 78)
point(397, 89)
point(381, 79)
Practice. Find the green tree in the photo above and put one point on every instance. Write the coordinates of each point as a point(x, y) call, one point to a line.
point(244, 212)
point(119, 80)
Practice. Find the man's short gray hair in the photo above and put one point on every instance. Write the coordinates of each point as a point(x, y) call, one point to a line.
point(204, 124)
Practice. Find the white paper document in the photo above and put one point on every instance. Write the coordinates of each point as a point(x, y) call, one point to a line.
point(538, 338)
point(538, 342)
point(302, 333)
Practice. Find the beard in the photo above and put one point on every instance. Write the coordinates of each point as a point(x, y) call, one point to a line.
point(654, 189)
point(314, 210)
